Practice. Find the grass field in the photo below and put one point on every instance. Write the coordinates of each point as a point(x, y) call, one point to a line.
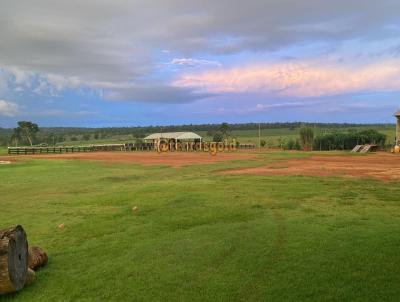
point(3, 150)
point(201, 236)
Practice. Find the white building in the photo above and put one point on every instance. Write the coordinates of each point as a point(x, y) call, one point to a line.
point(173, 138)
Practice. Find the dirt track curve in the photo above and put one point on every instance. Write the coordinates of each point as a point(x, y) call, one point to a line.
point(383, 166)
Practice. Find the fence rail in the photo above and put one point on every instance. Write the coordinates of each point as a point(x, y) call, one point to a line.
point(65, 149)
point(246, 146)
point(93, 148)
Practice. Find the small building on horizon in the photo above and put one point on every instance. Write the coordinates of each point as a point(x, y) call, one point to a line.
point(173, 137)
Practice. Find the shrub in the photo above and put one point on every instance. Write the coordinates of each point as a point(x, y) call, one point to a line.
point(306, 138)
point(347, 140)
point(293, 144)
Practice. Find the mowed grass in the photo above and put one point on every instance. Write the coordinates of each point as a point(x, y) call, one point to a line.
point(201, 236)
point(3, 151)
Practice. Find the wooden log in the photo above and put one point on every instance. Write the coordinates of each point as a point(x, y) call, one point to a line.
point(13, 259)
point(37, 258)
point(30, 277)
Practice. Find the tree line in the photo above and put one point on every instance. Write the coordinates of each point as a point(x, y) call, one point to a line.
point(337, 137)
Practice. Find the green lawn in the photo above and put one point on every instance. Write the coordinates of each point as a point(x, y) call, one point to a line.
point(3, 150)
point(202, 236)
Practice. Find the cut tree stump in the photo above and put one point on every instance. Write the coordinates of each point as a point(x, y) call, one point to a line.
point(13, 259)
point(37, 258)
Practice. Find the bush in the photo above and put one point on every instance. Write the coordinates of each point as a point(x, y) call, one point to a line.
point(306, 138)
point(347, 140)
point(292, 144)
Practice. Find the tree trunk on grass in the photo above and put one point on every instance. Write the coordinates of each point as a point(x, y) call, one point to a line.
point(37, 258)
point(13, 259)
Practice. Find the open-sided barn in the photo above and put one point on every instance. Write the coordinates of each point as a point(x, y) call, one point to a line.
point(173, 138)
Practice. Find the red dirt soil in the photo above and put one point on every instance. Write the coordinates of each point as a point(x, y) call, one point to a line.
point(174, 159)
point(382, 166)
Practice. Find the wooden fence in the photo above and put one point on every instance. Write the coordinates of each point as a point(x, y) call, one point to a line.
point(92, 148)
point(65, 149)
point(246, 146)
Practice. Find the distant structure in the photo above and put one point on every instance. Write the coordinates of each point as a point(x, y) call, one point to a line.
point(397, 115)
point(173, 137)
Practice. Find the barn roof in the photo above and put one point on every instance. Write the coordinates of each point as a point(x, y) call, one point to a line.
point(173, 135)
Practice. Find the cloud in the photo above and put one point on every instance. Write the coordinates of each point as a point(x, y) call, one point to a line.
point(297, 79)
point(100, 41)
point(154, 94)
point(265, 107)
point(194, 62)
point(261, 108)
point(3, 82)
point(8, 109)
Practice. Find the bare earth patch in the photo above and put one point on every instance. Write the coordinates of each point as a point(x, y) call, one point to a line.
point(383, 166)
point(174, 159)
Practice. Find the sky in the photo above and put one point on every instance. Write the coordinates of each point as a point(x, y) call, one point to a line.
point(118, 63)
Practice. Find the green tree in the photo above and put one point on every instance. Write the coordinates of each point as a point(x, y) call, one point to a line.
point(297, 145)
point(290, 144)
point(60, 138)
point(218, 137)
point(281, 142)
point(306, 138)
point(51, 139)
point(210, 133)
point(15, 137)
point(263, 143)
point(225, 130)
point(28, 130)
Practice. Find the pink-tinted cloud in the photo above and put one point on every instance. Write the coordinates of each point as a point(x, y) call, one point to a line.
point(306, 79)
